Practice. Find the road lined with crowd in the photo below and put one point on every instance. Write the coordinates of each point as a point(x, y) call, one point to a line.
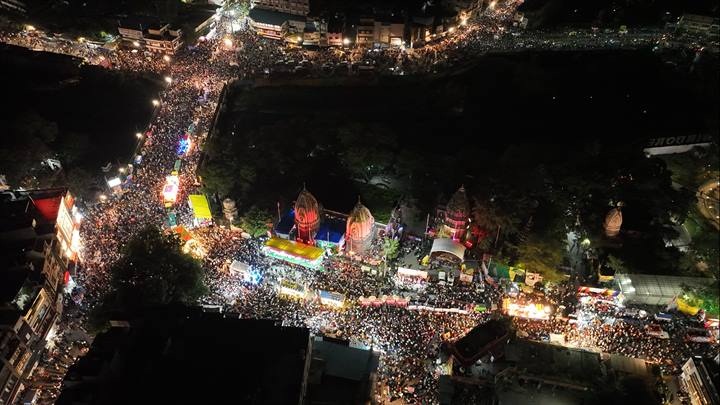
point(409, 340)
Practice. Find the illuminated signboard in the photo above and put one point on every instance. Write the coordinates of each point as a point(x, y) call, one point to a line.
point(68, 224)
point(170, 190)
point(292, 289)
point(331, 298)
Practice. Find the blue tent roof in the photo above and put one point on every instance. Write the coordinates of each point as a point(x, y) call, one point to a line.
point(331, 229)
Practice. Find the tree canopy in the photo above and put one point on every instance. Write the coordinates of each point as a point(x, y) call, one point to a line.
point(391, 248)
point(255, 221)
point(152, 271)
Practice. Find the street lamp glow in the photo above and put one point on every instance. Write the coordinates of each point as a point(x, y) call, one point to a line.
point(136, 44)
point(166, 58)
point(585, 242)
point(30, 28)
point(451, 30)
point(346, 41)
point(81, 39)
point(138, 135)
point(155, 102)
point(227, 42)
point(121, 170)
point(168, 79)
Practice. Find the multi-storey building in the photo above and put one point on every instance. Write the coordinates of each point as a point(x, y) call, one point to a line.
point(154, 37)
point(699, 25)
point(372, 32)
point(31, 278)
point(700, 376)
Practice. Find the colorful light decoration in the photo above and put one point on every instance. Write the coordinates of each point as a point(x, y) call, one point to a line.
point(170, 190)
point(184, 145)
point(528, 310)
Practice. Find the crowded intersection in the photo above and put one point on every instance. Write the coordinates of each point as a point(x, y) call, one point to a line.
point(408, 336)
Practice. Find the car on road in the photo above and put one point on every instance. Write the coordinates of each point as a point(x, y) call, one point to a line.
point(663, 317)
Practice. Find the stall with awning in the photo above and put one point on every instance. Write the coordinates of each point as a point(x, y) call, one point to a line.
point(446, 246)
point(200, 208)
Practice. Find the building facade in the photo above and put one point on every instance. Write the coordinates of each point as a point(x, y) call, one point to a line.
point(31, 282)
point(159, 38)
point(372, 32)
point(699, 377)
point(274, 24)
point(699, 25)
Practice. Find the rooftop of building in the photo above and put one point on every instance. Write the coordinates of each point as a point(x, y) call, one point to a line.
point(270, 17)
point(140, 23)
point(340, 373)
point(178, 355)
point(477, 342)
point(555, 362)
point(19, 286)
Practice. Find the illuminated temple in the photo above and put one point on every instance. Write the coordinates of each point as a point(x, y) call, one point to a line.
point(456, 216)
point(360, 229)
point(305, 231)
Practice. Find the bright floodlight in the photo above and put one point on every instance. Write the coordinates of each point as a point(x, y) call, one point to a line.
point(81, 39)
point(156, 102)
point(227, 42)
point(346, 41)
point(138, 135)
point(30, 28)
point(168, 79)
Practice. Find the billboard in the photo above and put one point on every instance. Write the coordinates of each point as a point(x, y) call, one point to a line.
point(68, 227)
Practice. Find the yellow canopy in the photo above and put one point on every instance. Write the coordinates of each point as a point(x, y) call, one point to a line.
point(200, 206)
point(306, 252)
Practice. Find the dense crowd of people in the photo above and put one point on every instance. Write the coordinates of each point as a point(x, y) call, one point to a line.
point(408, 340)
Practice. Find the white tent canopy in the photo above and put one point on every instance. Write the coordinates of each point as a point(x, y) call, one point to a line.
point(445, 245)
point(239, 267)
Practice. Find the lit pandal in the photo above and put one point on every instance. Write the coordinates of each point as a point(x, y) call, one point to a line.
point(526, 310)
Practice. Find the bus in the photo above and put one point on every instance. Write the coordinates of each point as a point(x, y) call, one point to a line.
point(663, 317)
